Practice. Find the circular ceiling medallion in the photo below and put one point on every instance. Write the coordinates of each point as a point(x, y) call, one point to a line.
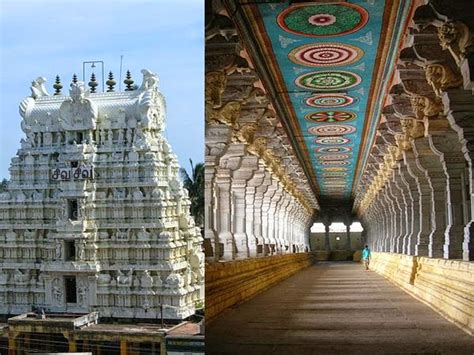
point(334, 157)
point(325, 54)
point(331, 130)
point(333, 150)
point(331, 116)
point(329, 100)
point(332, 140)
point(335, 162)
point(323, 20)
point(328, 80)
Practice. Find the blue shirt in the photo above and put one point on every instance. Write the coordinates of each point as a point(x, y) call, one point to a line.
point(366, 253)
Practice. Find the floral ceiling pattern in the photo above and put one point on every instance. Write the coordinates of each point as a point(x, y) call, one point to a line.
point(326, 54)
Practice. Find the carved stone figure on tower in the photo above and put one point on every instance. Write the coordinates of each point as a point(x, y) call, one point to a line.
point(82, 293)
point(81, 250)
point(146, 280)
point(78, 112)
point(37, 88)
point(57, 292)
point(59, 249)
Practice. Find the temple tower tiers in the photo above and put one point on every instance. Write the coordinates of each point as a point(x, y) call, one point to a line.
point(95, 217)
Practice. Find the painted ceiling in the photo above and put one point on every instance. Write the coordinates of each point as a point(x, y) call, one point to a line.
point(329, 59)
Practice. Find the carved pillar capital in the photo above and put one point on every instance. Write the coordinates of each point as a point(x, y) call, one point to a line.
point(457, 38)
point(441, 77)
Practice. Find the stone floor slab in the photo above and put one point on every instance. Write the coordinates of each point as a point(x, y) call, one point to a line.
point(335, 308)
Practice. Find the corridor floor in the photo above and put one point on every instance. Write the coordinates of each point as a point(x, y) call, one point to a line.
point(335, 308)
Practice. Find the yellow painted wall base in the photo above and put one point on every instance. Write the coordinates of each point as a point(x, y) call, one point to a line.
point(232, 282)
point(447, 286)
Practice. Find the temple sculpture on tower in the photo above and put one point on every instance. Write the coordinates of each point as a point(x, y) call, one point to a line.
point(95, 217)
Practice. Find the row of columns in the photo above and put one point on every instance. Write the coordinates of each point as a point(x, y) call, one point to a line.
point(419, 211)
point(248, 211)
point(256, 193)
point(419, 179)
point(327, 242)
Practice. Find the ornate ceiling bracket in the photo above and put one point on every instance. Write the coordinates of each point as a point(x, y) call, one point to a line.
point(272, 90)
point(432, 63)
point(257, 197)
point(235, 98)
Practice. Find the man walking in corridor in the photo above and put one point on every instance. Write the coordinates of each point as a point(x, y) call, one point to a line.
point(366, 257)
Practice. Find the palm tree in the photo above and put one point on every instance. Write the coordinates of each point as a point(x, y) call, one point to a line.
point(194, 183)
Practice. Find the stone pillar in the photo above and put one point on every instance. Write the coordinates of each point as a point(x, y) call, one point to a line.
point(373, 228)
point(267, 218)
point(238, 220)
point(348, 236)
point(26, 341)
point(375, 221)
point(293, 232)
point(326, 236)
point(12, 342)
point(397, 208)
point(226, 243)
point(123, 347)
point(282, 235)
point(241, 175)
point(458, 107)
point(389, 221)
point(163, 346)
point(286, 235)
point(275, 211)
point(258, 216)
point(426, 210)
point(72, 344)
point(273, 220)
point(250, 205)
point(399, 189)
point(428, 159)
point(412, 198)
point(216, 139)
point(382, 229)
point(453, 162)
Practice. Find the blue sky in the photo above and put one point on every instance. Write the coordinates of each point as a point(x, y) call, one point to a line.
point(50, 37)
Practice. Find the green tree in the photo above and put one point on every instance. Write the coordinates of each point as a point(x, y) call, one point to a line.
point(194, 183)
point(3, 185)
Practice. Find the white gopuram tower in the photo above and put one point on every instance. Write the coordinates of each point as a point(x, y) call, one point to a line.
point(95, 217)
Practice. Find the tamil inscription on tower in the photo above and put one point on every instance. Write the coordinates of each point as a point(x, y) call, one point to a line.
point(95, 217)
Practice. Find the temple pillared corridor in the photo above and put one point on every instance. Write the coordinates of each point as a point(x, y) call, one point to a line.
point(330, 126)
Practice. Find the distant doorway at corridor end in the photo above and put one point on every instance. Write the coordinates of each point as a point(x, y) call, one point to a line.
point(337, 237)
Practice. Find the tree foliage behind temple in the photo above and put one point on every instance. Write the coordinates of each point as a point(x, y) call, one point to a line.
point(194, 183)
point(3, 185)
